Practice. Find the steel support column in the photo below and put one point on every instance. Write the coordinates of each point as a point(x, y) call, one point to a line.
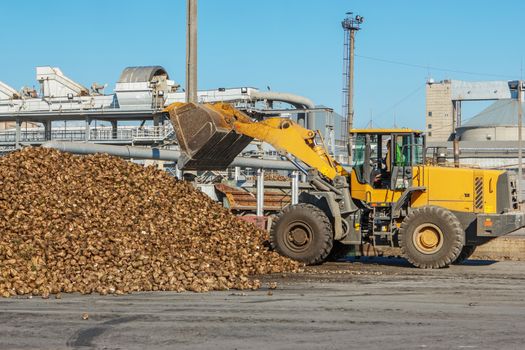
point(260, 192)
point(47, 130)
point(114, 128)
point(87, 130)
point(456, 115)
point(17, 132)
point(455, 146)
point(237, 173)
point(191, 51)
point(295, 187)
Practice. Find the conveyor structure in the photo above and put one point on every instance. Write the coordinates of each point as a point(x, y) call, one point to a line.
point(33, 116)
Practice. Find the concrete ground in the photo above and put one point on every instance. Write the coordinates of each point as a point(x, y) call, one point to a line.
point(370, 304)
point(509, 247)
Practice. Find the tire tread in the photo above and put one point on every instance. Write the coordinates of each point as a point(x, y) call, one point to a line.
point(320, 217)
point(433, 211)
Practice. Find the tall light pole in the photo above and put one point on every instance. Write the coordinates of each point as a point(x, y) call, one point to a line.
point(350, 24)
point(520, 139)
point(191, 51)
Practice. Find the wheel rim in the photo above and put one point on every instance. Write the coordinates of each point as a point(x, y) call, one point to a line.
point(298, 236)
point(428, 238)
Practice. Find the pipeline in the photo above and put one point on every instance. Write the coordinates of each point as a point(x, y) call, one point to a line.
point(158, 154)
point(295, 100)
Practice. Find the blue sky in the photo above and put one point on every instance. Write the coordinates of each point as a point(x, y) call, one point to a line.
point(290, 45)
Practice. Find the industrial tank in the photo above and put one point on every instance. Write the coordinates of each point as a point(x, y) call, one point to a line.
point(498, 122)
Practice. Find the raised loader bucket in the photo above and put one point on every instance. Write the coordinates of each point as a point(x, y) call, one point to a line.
point(206, 137)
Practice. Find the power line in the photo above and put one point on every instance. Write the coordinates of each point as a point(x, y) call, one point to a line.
point(426, 67)
point(403, 99)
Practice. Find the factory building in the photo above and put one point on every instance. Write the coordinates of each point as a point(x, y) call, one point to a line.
point(443, 106)
point(490, 138)
point(62, 109)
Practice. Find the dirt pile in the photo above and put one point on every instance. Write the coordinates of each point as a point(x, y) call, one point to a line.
point(101, 224)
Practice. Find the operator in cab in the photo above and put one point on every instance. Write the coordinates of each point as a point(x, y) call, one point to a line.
point(382, 178)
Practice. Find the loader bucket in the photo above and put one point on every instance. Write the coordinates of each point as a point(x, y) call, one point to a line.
point(207, 140)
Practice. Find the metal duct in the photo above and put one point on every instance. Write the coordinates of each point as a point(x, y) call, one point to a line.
point(158, 154)
point(295, 100)
point(141, 74)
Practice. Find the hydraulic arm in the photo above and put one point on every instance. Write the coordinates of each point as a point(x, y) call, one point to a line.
point(211, 135)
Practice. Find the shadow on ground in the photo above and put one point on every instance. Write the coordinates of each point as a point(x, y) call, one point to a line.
point(401, 262)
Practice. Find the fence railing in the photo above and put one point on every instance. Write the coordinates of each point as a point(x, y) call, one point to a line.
point(149, 133)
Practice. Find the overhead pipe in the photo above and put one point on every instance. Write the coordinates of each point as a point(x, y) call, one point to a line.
point(118, 151)
point(295, 100)
point(158, 154)
point(247, 162)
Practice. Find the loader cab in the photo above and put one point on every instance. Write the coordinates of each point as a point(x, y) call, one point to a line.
point(384, 158)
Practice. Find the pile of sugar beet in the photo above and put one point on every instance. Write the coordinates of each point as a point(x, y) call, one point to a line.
point(100, 224)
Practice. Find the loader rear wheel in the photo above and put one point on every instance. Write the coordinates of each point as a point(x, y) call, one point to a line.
point(302, 232)
point(466, 253)
point(431, 237)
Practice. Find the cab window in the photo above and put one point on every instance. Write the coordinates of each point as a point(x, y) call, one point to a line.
point(367, 156)
point(419, 150)
point(359, 156)
point(408, 150)
point(402, 150)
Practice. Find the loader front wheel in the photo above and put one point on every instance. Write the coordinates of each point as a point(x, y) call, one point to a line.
point(302, 232)
point(431, 237)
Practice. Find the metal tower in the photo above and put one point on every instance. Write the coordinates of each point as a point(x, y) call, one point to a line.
point(350, 25)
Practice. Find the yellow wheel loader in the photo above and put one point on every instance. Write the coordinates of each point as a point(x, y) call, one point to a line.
point(437, 215)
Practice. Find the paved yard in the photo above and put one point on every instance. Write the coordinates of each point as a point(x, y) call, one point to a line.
point(373, 304)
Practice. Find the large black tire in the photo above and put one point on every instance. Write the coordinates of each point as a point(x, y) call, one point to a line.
point(302, 232)
point(465, 253)
point(431, 237)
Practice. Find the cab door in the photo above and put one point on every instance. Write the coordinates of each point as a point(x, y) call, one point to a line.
point(406, 157)
point(401, 161)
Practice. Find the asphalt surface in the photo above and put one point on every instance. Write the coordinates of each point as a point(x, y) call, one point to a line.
point(372, 304)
